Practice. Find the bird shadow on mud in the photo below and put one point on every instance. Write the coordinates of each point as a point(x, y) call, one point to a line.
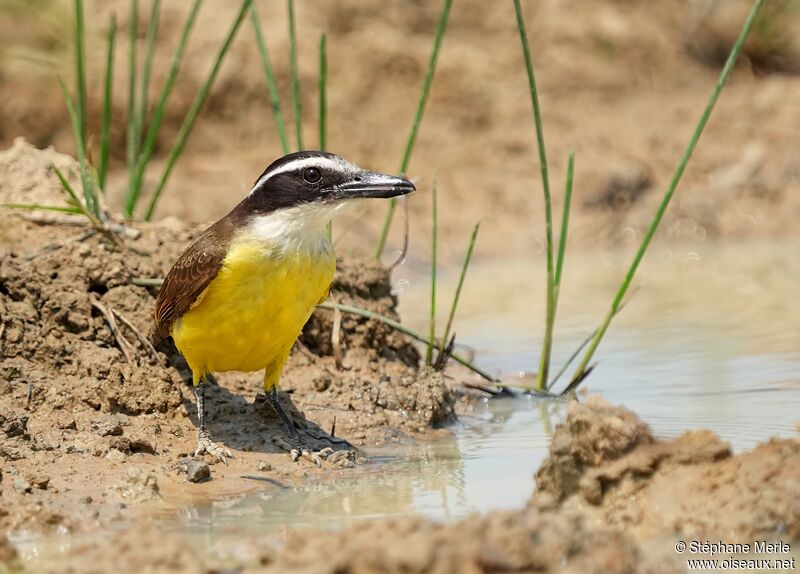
point(251, 426)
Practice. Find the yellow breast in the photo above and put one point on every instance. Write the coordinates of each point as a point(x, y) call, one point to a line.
point(251, 313)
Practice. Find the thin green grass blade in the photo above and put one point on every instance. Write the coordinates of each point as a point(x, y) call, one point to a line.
point(562, 240)
point(367, 314)
point(323, 92)
point(473, 238)
point(544, 362)
point(296, 104)
point(132, 145)
point(80, 71)
point(434, 269)
point(89, 191)
point(412, 136)
point(137, 176)
point(36, 207)
point(72, 197)
point(272, 84)
point(147, 72)
point(108, 89)
point(676, 178)
point(194, 110)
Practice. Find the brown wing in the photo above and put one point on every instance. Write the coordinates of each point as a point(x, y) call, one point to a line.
point(191, 274)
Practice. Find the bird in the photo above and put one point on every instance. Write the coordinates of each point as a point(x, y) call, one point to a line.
point(240, 294)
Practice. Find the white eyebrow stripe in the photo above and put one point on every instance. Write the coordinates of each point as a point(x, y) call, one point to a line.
point(317, 161)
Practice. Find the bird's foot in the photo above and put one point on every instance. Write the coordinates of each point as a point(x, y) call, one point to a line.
point(206, 445)
point(317, 449)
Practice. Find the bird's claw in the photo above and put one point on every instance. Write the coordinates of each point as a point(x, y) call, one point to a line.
point(298, 449)
point(207, 446)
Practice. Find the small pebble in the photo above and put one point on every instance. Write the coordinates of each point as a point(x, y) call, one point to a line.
point(22, 486)
point(197, 471)
point(264, 466)
point(41, 481)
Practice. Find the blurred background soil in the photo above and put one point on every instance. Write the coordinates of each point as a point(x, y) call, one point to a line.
point(622, 83)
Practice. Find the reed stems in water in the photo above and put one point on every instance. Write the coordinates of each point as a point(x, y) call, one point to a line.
point(194, 110)
point(687, 154)
point(412, 136)
point(544, 361)
point(562, 240)
point(272, 84)
point(471, 246)
point(434, 267)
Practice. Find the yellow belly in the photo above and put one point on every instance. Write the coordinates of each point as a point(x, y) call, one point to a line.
point(249, 316)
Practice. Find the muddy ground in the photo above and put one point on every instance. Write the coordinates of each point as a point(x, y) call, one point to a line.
point(622, 83)
point(97, 426)
point(91, 396)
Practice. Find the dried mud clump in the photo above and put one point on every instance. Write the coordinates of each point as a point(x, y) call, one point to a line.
point(58, 342)
point(593, 434)
point(361, 283)
point(604, 460)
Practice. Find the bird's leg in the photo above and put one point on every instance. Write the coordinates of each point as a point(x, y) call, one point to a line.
point(272, 396)
point(204, 442)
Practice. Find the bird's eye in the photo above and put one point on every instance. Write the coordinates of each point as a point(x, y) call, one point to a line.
point(312, 175)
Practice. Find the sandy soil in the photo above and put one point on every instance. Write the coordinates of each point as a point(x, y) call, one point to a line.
point(622, 83)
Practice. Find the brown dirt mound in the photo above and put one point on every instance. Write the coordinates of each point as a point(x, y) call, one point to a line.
point(604, 459)
point(81, 383)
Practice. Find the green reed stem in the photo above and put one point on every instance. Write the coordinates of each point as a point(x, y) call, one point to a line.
point(687, 154)
point(434, 268)
point(194, 110)
point(70, 191)
point(136, 175)
point(40, 207)
point(89, 192)
point(296, 104)
point(412, 136)
point(367, 314)
point(108, 94)
point(147, 72)
point(473, 238)
point(323, 92)
point(272, 84)
point(562, 240)
point(544, 362)
point(132, 131)
point(80, 71)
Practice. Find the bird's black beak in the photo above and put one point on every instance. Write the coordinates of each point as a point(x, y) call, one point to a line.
point(368, 184)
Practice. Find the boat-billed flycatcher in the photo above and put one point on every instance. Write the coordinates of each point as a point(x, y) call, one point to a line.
point(238, 297)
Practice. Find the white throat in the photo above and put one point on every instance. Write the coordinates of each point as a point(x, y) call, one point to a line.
point(300, 228)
